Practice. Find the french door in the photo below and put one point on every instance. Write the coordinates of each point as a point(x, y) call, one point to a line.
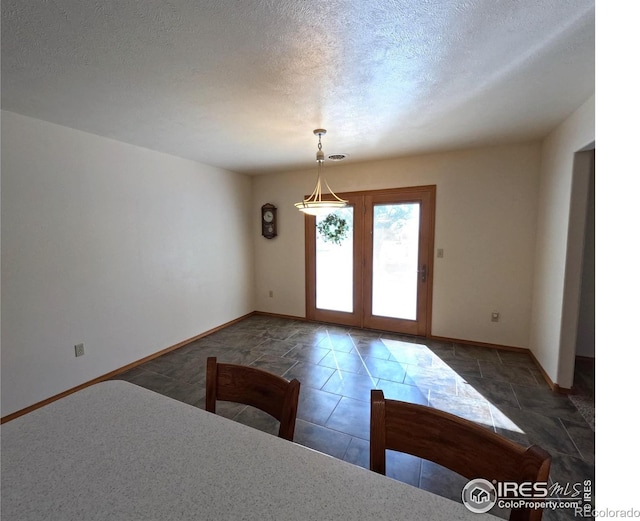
point(378, 274)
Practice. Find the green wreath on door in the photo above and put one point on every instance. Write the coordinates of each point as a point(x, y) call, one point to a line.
point(333, 229)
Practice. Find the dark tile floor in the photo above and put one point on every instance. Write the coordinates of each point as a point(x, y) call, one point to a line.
point(338, 366)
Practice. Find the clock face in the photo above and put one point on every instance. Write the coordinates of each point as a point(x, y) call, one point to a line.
point(268, 216)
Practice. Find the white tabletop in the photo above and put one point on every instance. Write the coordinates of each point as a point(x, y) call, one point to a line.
point(118, 452)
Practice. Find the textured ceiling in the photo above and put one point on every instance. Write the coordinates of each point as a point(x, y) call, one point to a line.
point(241, 84)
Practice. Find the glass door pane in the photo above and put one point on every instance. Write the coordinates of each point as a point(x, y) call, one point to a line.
point(334, 266)
point(396, 235)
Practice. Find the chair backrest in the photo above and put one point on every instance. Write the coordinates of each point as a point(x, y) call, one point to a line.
point(458, 444)
point(256, 387)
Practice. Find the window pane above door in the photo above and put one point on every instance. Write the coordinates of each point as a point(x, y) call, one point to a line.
point(334, 268)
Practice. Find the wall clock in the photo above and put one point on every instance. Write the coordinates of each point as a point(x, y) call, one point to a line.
point(269, 221)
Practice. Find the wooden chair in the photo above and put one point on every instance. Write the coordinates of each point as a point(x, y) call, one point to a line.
point(455, 443)
point(252, 386)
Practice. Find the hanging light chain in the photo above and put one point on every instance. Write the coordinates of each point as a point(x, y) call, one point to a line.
point(319, 153)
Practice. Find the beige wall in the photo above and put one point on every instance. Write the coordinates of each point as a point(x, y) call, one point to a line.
point(124, 249)
point(485, 221)
point(559, 243)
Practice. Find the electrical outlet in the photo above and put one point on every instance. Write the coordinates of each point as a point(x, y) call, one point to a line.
point(440, 253)
point(495, 316)
point(79, 349)
point(270, 294)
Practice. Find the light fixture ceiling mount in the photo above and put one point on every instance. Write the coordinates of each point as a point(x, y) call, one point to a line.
point(315, 204)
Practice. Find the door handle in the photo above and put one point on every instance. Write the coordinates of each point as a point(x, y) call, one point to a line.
point(423, 273)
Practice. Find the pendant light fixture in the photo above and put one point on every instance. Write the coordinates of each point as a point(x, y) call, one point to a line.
point(315, 204)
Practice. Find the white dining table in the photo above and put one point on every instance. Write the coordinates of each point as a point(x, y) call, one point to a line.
point(115, 451)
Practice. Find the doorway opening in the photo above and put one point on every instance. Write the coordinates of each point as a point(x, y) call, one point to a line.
point(584, 384)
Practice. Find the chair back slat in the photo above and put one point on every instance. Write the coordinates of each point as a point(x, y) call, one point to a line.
point(256, 387)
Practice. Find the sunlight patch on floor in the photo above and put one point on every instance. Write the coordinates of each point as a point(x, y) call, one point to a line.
point(421, 356)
